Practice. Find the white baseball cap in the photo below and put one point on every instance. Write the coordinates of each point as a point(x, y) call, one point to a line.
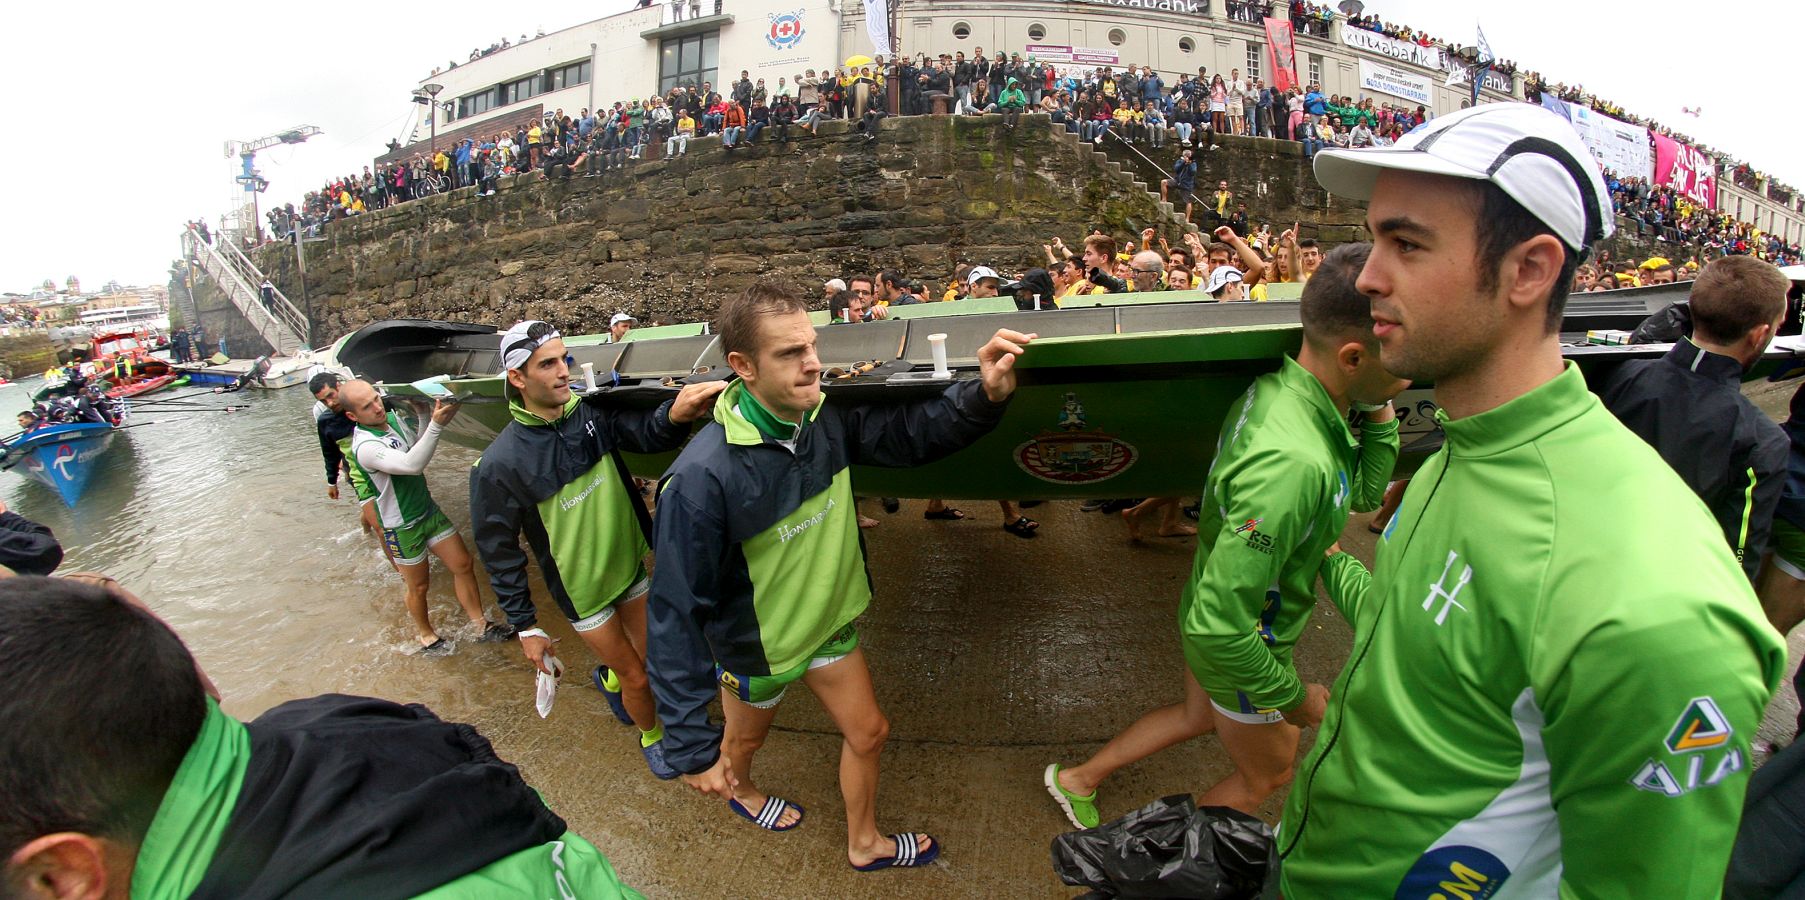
point(979, 272)
point(1531, 154)
point(619, 318)
point(1221, 276)
point(519, 342)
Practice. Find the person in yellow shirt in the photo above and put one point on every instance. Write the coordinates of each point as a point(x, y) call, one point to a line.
point(533, 140)
point(357, 204)
point(1128, 122)
point(1069, 281)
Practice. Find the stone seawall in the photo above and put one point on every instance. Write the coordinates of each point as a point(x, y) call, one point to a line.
point(666, 239)
point(27, 354)
point(669, 237)
point(217, 314)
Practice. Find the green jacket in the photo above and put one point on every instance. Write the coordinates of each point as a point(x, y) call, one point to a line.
point(1012, 97)
point(1557, 671)
point(1287, 471)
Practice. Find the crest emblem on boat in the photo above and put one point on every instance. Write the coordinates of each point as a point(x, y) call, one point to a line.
point(1074, 453)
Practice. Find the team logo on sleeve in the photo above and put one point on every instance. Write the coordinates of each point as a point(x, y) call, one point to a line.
point(1701, 727)
point(1249, 531)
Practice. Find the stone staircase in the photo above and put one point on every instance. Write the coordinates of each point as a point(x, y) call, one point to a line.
point(1126, 177)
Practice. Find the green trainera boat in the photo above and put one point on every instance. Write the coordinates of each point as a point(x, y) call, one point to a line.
point(1119, 397)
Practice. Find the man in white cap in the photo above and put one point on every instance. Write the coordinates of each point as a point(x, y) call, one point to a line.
point(555, 475)
point(1225, 283)
point(983, 281)
point(1558, 665)
point(619, 325)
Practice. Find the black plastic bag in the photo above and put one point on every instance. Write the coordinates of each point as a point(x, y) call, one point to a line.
point(1168, 848)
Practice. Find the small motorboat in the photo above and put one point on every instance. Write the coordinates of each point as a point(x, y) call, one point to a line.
point(62, 457)
point(141, 386)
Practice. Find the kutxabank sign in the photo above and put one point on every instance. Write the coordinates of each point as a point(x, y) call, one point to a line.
point(1190, 7)
point(1403, 51)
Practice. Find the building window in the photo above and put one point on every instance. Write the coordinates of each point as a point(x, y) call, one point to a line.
point(1037, 32)
point(476, 104)
point(689, 60)
point(1117, 36)
point(523, 89)
point(1255, 50)
point(570, 76)
point(1186, 45)
point(1315, 69)
point(961, 30)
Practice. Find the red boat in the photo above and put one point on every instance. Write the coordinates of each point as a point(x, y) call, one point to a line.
point(140, 386)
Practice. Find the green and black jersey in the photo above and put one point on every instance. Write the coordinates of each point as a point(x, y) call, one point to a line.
point(557, 483)
point(760, 559)
point(339, 796)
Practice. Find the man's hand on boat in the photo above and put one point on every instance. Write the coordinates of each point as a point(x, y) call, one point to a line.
point(996, 362)
point(443, 411)
point(695, 400)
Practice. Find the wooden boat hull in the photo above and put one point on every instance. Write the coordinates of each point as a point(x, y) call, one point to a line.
point(1116, 399)
point(63, 458)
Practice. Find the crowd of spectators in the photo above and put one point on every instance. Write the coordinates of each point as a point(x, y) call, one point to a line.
point(1130, 104)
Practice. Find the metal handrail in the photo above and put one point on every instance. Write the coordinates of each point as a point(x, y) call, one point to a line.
point(1163, 171)
point(279, 333)
point(250, 303)
point(295, 321)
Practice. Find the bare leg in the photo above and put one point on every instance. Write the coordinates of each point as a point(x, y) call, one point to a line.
point(1394, 495)
point(1151, 733)
point(1010, 513)
point(372, 524)
point(416, 579)
point(1782, 597)
point(745, 732)
point(1169, 524)
point(1263, 756)
point(844, 688)
point(609, 643)
point(456, 557)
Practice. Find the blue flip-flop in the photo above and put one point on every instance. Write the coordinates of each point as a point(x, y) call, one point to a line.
point(620, 709)
point(908, 854)
point(768, 817)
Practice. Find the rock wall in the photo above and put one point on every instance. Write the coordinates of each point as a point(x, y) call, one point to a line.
point(669, 237)
point(26, 354)
point(666, 239)
point(217, 314)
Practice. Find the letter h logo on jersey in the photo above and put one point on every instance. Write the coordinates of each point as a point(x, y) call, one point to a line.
point(1439, 590)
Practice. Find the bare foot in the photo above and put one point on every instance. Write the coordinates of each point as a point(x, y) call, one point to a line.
point(867, 522)
point(1134, 525)
point(1177, 530)
point(883, 847)
point(754, 802)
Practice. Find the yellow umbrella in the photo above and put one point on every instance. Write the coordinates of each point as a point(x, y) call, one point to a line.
point(860, 60)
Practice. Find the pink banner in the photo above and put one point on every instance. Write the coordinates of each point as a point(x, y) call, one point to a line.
point(1281, 53)
point(1686, 169)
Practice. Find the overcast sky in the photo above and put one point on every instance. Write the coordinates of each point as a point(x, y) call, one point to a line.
point(120, 114)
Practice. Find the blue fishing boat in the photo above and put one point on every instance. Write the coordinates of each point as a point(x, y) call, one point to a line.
point(63, 457)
